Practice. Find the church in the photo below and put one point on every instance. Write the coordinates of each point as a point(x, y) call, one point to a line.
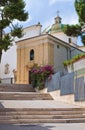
point(50, 46)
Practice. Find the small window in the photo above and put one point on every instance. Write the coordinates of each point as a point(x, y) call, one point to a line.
point(32, 54)
point(69, 40)
point(57, 46)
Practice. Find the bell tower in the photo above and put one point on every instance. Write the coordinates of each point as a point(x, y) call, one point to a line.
point(58, 19)
point(56, 27)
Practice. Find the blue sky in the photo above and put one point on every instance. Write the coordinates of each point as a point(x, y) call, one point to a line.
point(44, 11)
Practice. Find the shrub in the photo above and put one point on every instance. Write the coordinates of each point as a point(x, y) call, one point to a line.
point(40, 74)
point(75, 58)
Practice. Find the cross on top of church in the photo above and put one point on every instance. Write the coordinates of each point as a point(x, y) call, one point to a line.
point(58, 18)
point(58, 13)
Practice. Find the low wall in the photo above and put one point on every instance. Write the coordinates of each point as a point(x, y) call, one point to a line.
point(7, 80)
point(67, 88)
point(76, 66)
point(66, 98)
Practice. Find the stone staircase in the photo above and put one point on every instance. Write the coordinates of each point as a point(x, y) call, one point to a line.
point(24, 96)
point(21, 92)
point(41, 115)
point(16, 88)
point(33, 107)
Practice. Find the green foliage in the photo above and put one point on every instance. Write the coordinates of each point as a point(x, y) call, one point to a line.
point(4, 23)
point(0, 80)
point(67, 62)
point(5, 42)
point(72, 30)
point(40, 74)
point(15, 9)
point(80, 8)
point(75, 58)
point(75, 30)
point(83, 39)
point(17, 31)
point(11, 10)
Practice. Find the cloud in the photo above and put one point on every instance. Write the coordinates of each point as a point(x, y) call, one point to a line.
point(51, 2)
point(33, 4)
point(71, 20)
point(27, 2)
point(27, 21)
point(22, 22)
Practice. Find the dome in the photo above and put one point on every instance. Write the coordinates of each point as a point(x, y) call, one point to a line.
point(56, 28)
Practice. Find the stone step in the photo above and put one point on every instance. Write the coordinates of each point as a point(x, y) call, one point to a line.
point(41, 115)
point(16, 88)
point(9, 117)
point(24, 96)
point(82, 110)
point(27, 121)
point(40, 111)
point(19, 111)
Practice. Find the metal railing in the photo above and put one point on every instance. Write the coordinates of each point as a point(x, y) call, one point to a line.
point(7, 80)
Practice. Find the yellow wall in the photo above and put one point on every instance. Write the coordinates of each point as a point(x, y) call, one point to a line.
point(43, 54)
point(46, 51)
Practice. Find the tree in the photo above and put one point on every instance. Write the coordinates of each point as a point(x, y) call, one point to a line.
point(76, 30)
point(10, 10)
point(80, 8)
point(72, 30)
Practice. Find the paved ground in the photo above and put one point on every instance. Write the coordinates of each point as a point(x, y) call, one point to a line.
point(80, 126)
point(34, 104)
point(40, 104)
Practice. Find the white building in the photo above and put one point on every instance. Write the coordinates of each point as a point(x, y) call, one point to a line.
point(8, 63)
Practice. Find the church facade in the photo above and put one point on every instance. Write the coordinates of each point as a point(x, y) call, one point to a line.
point(42, 50)
point(48, 47)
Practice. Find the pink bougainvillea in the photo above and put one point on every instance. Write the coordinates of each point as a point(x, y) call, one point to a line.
point(40, 74)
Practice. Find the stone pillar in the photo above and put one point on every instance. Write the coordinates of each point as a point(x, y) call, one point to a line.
point(22, 65)
point(51, 54)
point(18, 65)
point(26, 57)
point(45, 53)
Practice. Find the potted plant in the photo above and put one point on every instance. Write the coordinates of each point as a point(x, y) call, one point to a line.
point(39, 74)
point(74, 59)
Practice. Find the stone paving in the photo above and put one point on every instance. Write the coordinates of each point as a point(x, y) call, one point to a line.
point(35, 104)
point(73, 126)
point(40, 104)
point(44, 104)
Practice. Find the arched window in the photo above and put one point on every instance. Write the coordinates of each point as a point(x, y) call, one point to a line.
point(32, 54)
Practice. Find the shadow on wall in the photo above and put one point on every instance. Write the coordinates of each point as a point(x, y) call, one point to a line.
point(1, 106)
point(26, 127)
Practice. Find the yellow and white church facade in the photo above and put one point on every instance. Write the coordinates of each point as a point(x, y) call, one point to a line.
point(50, 47)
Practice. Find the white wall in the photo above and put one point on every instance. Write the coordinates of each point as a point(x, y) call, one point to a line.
point(60, 55)
point(64, 37)
point(10, 56)
point(31, 31)
point(79, 64)
point(82, 48)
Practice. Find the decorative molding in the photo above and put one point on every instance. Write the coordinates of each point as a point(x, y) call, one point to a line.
point(6, 70)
